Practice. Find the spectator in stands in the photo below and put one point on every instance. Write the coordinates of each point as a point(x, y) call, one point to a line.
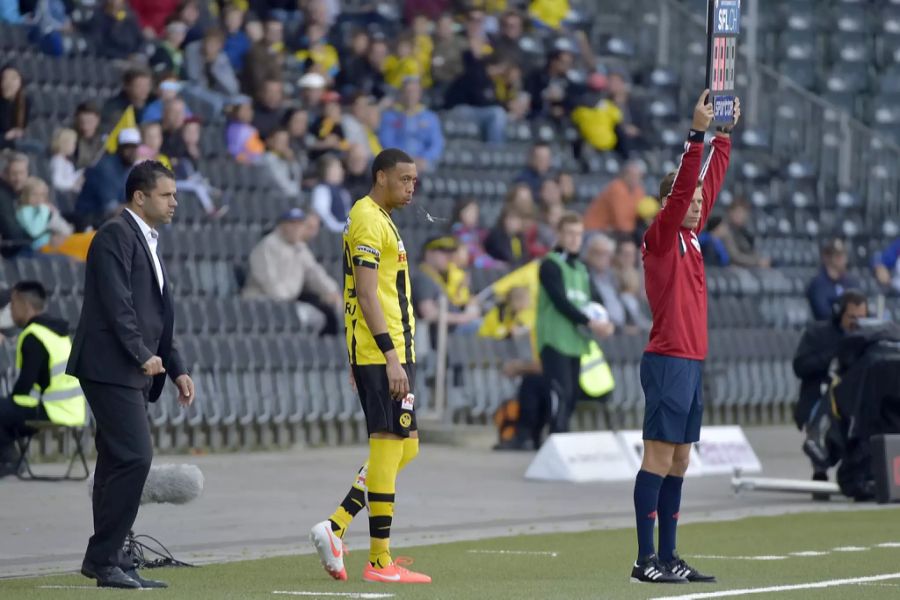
point(39, 217)
point(548, 225)
point(296, 121)
point(207, 68)
point(153, 15)
point(362, 72)
point(550, 194)
point(14, 107)
point(438, 276)
point(637, 319)
point(167, 89)
point(330, 198)
point(626, 261)
point(446, 54)
point(887, 266)
point(553, 94)
point(596, 119)
point(264, 61)
point(812, 361)
point(358, 179)
point(402, 64)
point(468, 232)
point(599, 255)
point(49, 23)
point(63, 174)
point(512, 317)
point(237, 42)
point(174, 114)
point(328, 130)
point(739, 241)
point(317, 53)
point(507, 44)
point(538, 169)
point(361, 124)
point(196, 17)
point(283, 268)
point(634, 118)
point(832, 280)
point(473, 96)
point(712, 242)
point(413, 128)
point(136, 85)
point(506, 241)
point(423, 46)
point(548, 14)
point(114, 31)
point(283, 168)
point(151, 144)
point(268, 109)
point(244, 143)
point(15, 174)
point(614, 209)
point(168, 57)
point(566, 187)
point(90, 142)
point(103, 192)
point(312, 90)
point(186, 165)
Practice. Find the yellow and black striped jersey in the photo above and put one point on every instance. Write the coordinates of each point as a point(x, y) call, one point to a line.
point(371, 241)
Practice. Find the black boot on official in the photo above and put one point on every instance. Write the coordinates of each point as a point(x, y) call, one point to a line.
point(681, 569)
point(650, 570)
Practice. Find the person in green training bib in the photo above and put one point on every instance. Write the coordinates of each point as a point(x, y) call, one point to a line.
point(563, 329)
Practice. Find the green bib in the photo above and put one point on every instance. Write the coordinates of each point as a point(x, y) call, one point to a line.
point(553, 328)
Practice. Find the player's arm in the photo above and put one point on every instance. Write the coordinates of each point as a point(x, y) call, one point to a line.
point(713, 172)
point(661, 234)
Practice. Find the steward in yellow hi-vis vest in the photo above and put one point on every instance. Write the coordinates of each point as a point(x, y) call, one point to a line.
point(43, 390)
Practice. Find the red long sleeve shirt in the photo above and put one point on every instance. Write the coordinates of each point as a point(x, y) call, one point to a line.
point(673, 264)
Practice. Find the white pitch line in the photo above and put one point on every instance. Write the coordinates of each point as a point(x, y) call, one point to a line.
point(850, 549)
point(515, 552)
point(783, 588)
point(715, 557)
point(364, 595)
point(808, 553)
point(889, 545)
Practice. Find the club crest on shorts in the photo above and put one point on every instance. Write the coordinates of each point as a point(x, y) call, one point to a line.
point(405, 420)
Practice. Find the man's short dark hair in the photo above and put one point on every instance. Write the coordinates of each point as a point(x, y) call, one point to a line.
point(851, 297)
point(143, 178)
point(134, 73)
point(33, 292)
point(569, 218)
point(388, 159)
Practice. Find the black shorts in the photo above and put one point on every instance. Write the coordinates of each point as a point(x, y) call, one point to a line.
point(383, 413)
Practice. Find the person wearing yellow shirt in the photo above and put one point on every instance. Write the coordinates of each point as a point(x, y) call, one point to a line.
point(423, 46)
point(549, 13)
point(438, 276)
point(403, 63)
point(319, 52)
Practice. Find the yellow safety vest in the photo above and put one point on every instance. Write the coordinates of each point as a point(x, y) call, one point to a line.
point(596, 377)
point(63, 399)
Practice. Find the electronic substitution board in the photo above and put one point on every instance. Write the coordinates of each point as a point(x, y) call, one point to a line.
point(723, 25)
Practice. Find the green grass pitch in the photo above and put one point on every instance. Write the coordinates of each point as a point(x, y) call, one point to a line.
point(759, 552)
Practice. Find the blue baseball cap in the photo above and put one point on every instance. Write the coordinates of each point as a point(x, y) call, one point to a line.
point(293, 214)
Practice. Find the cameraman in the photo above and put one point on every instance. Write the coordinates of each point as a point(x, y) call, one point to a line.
point(818, 347)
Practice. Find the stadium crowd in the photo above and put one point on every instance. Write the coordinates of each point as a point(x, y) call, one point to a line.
point(311, 92)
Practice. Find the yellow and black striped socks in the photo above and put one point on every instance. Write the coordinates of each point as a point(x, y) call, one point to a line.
point(384, 463)
point(355, 499)
point(353, 502)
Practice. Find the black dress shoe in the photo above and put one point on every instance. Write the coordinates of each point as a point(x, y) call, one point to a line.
point(145, 583)
point(111, 577)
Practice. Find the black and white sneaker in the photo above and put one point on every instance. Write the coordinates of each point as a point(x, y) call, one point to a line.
point(682, 569)
point(650, 570)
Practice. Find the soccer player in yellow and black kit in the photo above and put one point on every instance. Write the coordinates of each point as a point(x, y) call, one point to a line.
point(380, 326)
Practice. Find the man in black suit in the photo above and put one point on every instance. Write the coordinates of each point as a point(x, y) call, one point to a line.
point(122, 351)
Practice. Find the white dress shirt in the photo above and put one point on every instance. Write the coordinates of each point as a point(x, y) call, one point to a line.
point(152, 237)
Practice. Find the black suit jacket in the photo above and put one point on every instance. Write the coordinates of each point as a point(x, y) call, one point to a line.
point(125, 320)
